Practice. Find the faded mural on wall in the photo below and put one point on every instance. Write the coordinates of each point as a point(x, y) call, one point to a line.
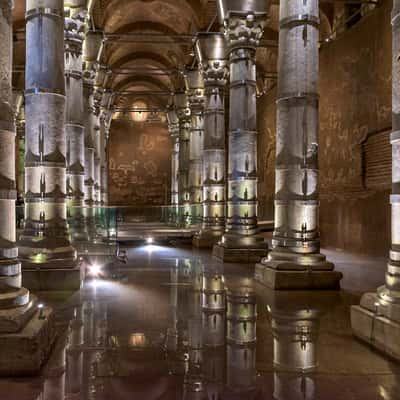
point(139, 164)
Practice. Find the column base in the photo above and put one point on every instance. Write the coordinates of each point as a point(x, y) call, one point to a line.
point(24, 352)
point(52, 277)
point(96, 249)
point(206, 239)
point(292, 271)
point(377, 323)
point(244, 255)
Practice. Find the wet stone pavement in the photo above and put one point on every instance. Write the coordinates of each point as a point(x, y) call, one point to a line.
point(177, 324)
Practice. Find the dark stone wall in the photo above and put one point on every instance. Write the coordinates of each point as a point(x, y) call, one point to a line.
point(140, 164)
point(355, 122)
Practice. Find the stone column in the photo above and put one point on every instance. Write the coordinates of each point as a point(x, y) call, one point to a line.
point(104, 134)
point(211, 52)
point(19, 104)
point(243, 24)
point(195, 89)
point(183, 111)
point(74, 120)
point(377, 319)
point(20, 326)
point(173, 127)
point(296, 244)
point(45, 241)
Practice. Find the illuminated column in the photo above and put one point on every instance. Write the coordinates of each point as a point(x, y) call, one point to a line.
point(20, 145)
point(20, 328)
point(104, 134)
point(244, 24)
point(210, 51)
point(296, 245)
point(45, 240)
point(74, 128)
point(183, 111)
point(195, 89)
point(241, 342)
point(173, 127)
point(377, 319)
point(97, 160)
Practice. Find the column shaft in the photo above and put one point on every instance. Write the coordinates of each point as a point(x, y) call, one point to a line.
point(183, 110)
point(195, 89)
point(243, 30)
point(211, 52)
point(296, 236)
point(173, 127)
point(45, 237)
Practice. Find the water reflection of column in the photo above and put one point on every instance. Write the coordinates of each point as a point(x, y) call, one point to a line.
point(241, 342)
point(183, 111)
point(172, 334)
point(74, 352)
point(54, 373)
point(173, 127)
point(213, 333)
point(295, 321)
point(195, 89)
point(211, 53)
point(194, 388)
point(244, 23)
point(213, 309)
point(295, 261)
point(88, 352)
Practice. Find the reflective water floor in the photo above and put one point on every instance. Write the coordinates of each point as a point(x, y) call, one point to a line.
point(177, 325)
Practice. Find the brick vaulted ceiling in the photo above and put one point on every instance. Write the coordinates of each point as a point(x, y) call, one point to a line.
point(159, 42)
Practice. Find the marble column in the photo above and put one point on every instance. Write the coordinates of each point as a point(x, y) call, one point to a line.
point(74, 119)
point(20, 326)
point(244, 23)
point(173, 127)
point(104, 134)
point(211, 53)
point(296, 243)
point(45, 242)
point(20, 145)
point(183, 111)
point(195, 90)
point(377, 319)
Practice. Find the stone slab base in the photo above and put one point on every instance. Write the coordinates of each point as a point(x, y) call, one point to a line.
point(24, 353)
point(205, 242)
point(47, 279)
point(297, 279)
point(380, 332)
point(240, 256)
point(95, 249)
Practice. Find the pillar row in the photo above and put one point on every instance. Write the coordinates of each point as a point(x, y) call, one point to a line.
point(45, 237)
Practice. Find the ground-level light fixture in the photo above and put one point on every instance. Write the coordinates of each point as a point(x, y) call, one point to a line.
point(149, 240)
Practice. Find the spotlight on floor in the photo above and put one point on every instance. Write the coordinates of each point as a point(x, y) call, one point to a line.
point(94, 270)
point(149, 240)
point(40, 307)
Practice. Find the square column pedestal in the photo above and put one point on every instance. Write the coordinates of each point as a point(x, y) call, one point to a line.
point(289, 271)
point(27, 335)
point(227, 252)
point(52, 277)
point(377, 323)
